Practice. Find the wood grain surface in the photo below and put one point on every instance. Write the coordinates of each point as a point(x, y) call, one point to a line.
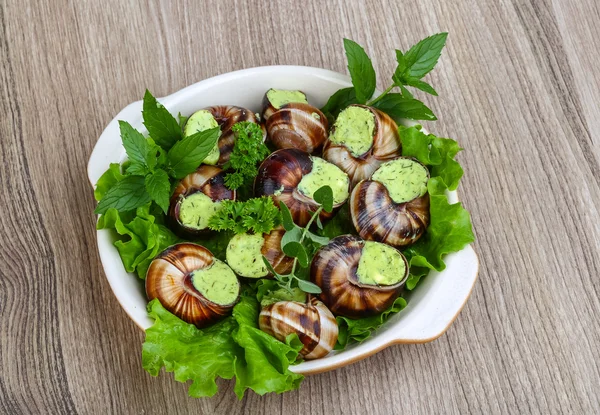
point(519, 88)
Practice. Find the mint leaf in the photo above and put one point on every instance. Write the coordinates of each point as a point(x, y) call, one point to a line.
point(405, 92)
point(324, 197)
point(398, 76)
point(422, 57)
point(397, 107)
point(339, 101)
point(137, 148)
point(159, 188)
point(128, 194)
point(361, 71)
point(108, 179)
point(161, 125)
point(187, 154)
point(422, 85)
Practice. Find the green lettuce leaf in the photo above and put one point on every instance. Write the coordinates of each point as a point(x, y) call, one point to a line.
point(450, 230)
point(141, 237)
point(234, 347)
point(108, 179)
point(353, 330)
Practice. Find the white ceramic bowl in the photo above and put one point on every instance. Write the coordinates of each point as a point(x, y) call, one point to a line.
point(432, 307)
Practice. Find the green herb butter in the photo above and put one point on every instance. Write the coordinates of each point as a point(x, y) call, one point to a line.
point(380, 264)
point(404, 179)
point(322, 174)
point(280, 97)
point(200, 121)
point(244, 255)
point(354, 128)
point(196, 210)
point(217, 283)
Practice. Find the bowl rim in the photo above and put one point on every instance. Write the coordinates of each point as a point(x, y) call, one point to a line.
point(343, 81)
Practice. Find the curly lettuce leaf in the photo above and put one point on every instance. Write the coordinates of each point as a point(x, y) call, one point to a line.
point(450, 230)
point(141, 237)
point(234, 347)
point(351, 330)
point(108, 179)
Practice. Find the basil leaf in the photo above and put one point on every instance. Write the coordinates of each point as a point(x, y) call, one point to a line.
point(187, 154)
point(397, 107)
point(309, 287)
point(339, 101)
point(161, 125)
point(324, 197)
point(288, 222)
point(159, 188)
point(422, 85)
point(296, 250)
point(422, 57)
point(128, 194)
point(361, 71)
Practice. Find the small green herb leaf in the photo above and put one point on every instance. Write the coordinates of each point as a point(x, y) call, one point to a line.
point(136, 146)
point(361, 70)
point(422, 57)
point(258, 215)
point(270, 268)
point(187, 154)
point(320, 240)
point(293, 235)
point(108, 179)
point(324, 197)
point(288, 222)
point(398, 107)
point(127, 194)
point(159, 188)
point(136, 169)
point(338, 101)
point(422, 85)
point(248, 151)
point(309, 287)
point(296, 250)
point(161, 125)
point(319, 223)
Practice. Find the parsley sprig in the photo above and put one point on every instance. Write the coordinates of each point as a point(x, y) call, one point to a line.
point(248, 151)
point(258, 215)
point(413, 65)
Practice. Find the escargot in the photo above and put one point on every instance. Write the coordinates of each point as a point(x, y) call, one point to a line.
point(192, 284)
point(361, 139)
point(224, 117)
point(292, 176)
point(393, 205)
point(195, 199)
point(314, 324)
point(245, 251)
point(358, 278)
point(291, 122)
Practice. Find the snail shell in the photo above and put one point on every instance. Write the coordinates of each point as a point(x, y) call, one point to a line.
point(209, 180)
point(169, 278)
point(314, 324)
point(226, 116)
point(271, 249)
point(386, 146)
point(297, 125)
point(334, 270)
point(377, 217)
point(279, 176)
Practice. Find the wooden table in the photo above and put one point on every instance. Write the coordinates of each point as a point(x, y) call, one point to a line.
point(519, 88)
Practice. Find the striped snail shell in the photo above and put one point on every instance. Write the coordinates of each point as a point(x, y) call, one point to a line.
point(226, 116)
point(170, 278)
point(386, 145)
point(335, 270)
point(295, 124)
point(271, 249)
point(208, 180)
point(280, 175)
point(376, 216)
point(314, 324)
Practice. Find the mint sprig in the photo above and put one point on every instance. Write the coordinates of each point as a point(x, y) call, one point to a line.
point(161, 125)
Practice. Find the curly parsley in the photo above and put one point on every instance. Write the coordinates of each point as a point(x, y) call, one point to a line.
point(248, 151)
point(258, 215)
